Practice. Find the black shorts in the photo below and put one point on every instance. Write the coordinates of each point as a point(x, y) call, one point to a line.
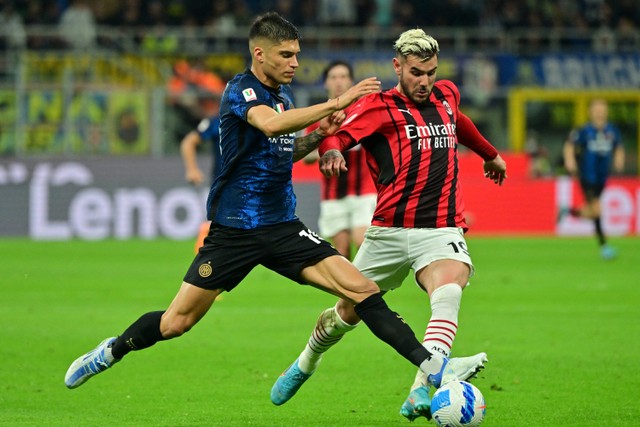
point(591, 190)
point(229, 254)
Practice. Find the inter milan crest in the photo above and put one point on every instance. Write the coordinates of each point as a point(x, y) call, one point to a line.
point(205, 270)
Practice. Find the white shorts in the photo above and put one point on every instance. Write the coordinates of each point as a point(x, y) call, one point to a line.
point(388, 253)
point(346, 214)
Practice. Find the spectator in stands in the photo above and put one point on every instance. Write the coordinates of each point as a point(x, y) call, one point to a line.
point(337, 12)
point(405, 14)
point(12, 32)
point(383, 13)
point(77, 25)
point(289, 9)
point(626, 35)
point(242, 13)
point(131, 13)
point(223, 20)
point(160, 39)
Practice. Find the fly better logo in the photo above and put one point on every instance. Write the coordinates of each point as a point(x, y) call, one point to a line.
point(432, 136)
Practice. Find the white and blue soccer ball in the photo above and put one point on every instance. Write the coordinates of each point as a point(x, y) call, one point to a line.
point(458, 404)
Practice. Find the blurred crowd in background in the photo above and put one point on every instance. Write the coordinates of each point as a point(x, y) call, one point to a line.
point(166, 62)
point(78, 20)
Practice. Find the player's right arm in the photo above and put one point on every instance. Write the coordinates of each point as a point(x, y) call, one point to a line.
point(332, 162)
point(569, 154)
point(188, 147)
point(272, 123)
point(364, 119)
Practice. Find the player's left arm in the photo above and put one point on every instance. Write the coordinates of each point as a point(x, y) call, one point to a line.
point(618, 159)
point(618, 153)
point(495, 168)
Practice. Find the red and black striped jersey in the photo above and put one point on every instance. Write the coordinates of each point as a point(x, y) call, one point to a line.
point(412, 153)
point(356, 181)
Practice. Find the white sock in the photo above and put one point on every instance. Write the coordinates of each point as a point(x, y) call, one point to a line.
point(329, 329)
point(443, 325)
point(430, 367)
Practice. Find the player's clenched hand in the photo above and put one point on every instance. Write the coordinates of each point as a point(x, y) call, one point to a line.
point(365, 87)
point(496, 170)
point(332, 163)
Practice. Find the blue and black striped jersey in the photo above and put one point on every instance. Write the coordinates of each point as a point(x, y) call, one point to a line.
point(594, 151)
point(253, 186)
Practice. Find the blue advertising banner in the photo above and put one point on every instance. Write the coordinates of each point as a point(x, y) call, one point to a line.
point(588, 71)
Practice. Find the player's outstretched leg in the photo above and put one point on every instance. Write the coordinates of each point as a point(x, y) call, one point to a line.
point(84, 367)
point(329, 329)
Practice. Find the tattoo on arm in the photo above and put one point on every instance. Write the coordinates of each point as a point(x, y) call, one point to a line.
point(306, 144)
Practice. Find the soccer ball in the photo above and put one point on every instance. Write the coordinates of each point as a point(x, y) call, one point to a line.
point(458, 404)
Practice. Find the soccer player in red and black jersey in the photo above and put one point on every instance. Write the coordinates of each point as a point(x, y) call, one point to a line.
point(410, 135)
point(349, 200)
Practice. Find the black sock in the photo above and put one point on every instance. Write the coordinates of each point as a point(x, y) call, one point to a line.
point(599, 233)
point(143, 333)
point(391, 328)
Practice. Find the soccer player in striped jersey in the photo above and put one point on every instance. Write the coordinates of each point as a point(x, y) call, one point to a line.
point(349, 200)
point(410, 134)
point(588, 154)
point(252, 208)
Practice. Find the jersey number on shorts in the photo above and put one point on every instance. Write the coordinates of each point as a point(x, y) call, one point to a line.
point(459, 247)
point(311, 235)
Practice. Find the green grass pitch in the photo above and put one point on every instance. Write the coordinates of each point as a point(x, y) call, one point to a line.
point(561, 327)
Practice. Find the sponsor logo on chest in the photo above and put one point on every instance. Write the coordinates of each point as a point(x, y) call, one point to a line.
point(432, 136)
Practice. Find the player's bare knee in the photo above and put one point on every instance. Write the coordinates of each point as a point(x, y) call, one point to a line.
point(175, 326)
point(347, 312)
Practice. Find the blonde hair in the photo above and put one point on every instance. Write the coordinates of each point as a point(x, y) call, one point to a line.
point(416, 42)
